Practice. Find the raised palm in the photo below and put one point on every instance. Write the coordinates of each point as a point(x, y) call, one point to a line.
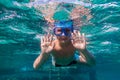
point(46, 43)
point(78, 40)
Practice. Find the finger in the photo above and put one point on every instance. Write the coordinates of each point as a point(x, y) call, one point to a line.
point(80, 36)
point(83, 37)
point(45, 40)
point(72, 41)
point(41, 39)
point(53, 45)
point(48, 38)
point(74, 33)
point(49, 35)
point(76, 36)
point(51, 38)
point(72, 36)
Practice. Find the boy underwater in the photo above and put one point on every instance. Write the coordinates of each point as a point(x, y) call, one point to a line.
point(63, 48)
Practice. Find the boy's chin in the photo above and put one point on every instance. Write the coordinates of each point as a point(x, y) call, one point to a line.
point(64, 41)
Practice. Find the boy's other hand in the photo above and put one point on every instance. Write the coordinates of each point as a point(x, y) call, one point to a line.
point(78, 40)
point(46, 43)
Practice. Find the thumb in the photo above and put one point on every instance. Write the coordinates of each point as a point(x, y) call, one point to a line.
point(72, 41)
point(53, 45)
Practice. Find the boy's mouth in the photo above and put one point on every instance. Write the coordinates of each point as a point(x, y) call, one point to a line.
point(63, 39)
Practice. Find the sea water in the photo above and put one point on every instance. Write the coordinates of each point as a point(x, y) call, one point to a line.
point(21, 26)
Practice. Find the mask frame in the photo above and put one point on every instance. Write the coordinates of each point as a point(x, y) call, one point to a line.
point(63, 25)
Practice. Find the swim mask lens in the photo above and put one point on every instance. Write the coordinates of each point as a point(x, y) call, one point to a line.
point(62, 31)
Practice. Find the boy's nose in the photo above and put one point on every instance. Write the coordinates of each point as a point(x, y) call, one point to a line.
point(63, 34)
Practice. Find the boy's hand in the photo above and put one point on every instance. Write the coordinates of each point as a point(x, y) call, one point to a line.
point(46, 43)
point(78, 40)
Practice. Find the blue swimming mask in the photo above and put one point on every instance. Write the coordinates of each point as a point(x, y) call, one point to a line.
point(63, 28)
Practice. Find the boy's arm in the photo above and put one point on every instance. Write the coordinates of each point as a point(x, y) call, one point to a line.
point(47, 46)
point(87, 57)
point(79, 42)
point(40, 60)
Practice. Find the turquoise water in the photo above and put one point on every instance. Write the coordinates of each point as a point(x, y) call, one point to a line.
point(21, 27)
